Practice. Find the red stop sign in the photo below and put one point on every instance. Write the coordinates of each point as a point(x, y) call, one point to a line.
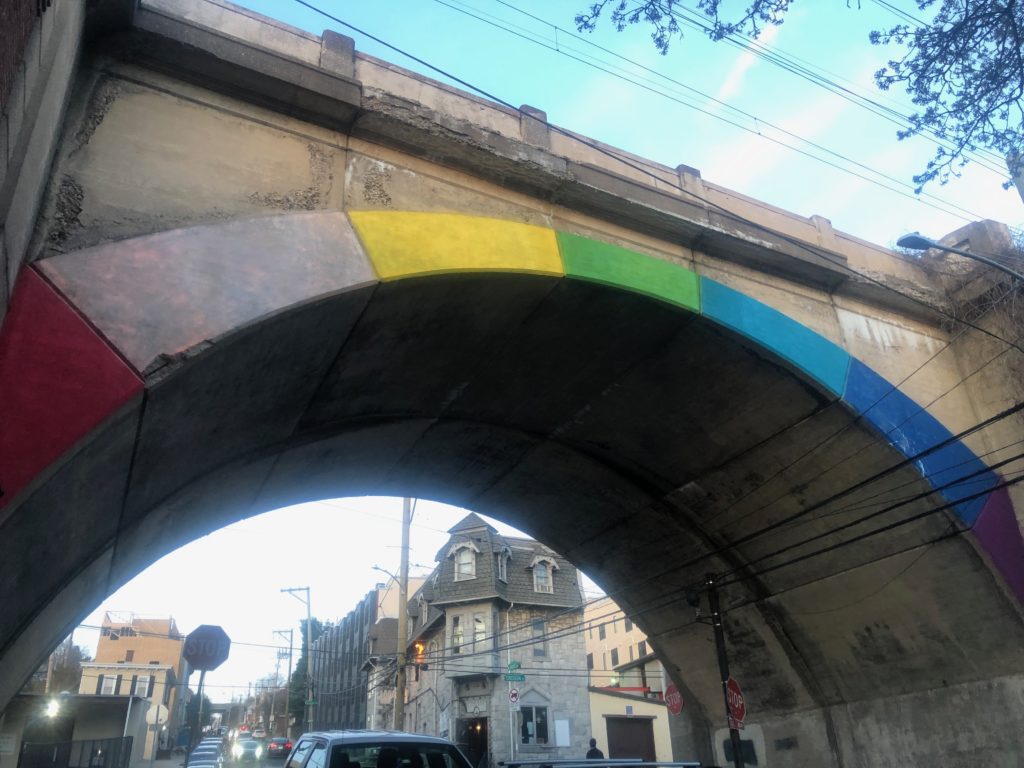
point(673, 699)
point(737, 704)
point(206, 647)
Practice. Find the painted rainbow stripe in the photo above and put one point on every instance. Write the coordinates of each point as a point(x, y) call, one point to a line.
point(401, 245)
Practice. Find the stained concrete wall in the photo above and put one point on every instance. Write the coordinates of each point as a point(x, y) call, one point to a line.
point(29, 128)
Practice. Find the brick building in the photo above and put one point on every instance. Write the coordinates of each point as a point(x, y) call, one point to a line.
point(141, 657)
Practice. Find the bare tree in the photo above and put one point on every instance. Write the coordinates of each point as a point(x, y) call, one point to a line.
point(963, 69)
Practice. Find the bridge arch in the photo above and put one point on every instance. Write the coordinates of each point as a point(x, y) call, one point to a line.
point(628, 411)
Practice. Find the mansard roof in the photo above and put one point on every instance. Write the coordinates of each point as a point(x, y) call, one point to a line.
point(523, 554)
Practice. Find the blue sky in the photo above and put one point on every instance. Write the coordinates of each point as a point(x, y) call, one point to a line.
point(234, 577)
point(513, 58)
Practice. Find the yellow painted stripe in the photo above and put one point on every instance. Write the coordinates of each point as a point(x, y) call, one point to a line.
point(402, 244)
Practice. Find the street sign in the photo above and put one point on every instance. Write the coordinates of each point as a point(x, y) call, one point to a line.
point(673, 699)
point(513, 695)
point(515, 677)
point(737, 704)
point(156, 715)
point(207, 647)
point(513, 666)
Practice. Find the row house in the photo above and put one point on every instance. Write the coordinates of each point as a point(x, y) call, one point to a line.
point(141, 657)
point(627, 684)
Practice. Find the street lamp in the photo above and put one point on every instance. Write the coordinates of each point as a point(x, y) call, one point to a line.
point(52, 708)
point(915, 241)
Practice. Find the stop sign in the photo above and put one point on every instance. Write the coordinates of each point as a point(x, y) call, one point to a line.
point(206, 647)
point(737, 704)
point(673, 699)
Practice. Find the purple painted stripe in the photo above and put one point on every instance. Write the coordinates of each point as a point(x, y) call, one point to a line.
point(999, 535)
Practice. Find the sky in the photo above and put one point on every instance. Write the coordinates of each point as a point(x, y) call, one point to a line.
point(529, 52)
point(234, 577)
point(526, 52)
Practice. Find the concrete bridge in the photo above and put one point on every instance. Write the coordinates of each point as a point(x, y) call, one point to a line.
point(248, 267)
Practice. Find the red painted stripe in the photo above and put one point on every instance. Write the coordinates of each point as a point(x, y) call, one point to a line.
point(58, 381)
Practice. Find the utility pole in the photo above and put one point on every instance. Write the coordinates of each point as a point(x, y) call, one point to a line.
point(723, 665)
point(288, 687)
point(403, 616)
point(306, 640)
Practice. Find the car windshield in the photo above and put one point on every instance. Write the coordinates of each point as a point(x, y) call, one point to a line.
point(397, 755)
point(279, 740)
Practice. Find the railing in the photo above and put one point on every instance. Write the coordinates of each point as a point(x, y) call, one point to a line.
point(100, 753)
point(17, 17)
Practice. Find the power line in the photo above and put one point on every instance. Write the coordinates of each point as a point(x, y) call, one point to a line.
point(905, 189)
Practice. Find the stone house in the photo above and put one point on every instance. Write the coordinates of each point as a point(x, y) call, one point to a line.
point(498, 605)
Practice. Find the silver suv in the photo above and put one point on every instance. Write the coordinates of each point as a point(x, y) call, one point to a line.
point(374, 749)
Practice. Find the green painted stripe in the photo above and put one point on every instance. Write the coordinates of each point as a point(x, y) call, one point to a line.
point(612, 265)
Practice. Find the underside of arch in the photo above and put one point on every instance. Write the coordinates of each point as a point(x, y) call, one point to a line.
point(625, 408)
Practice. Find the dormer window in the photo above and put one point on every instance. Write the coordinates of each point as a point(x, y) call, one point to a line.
point(544, 574)
point(503, 557)
point(464, 553)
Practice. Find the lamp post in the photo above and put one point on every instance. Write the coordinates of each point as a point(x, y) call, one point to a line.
point(918, 242)
point(306, 642)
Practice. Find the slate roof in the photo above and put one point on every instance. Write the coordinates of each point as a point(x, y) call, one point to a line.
point(442, 589)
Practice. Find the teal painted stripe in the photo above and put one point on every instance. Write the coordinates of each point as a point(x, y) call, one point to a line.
point(812, 353)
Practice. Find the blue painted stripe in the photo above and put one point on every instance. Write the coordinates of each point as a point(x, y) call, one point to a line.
point(812, 353)
point(912, 430)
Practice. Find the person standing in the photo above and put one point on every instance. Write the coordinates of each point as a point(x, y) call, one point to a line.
point(594, 753)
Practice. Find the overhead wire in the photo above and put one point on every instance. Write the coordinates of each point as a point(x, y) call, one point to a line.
point(902, 188)
point(725, 212)
point(817, 76)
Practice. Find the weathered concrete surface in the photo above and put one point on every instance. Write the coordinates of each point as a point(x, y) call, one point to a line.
point(631, 435)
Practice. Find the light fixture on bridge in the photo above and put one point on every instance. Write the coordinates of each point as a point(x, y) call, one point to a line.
point(52, 708)
point(915, 241)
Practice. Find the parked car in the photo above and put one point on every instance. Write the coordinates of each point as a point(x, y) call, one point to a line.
point(374, 749)
point(279, 746)
point(247, 751)
point(206, 753)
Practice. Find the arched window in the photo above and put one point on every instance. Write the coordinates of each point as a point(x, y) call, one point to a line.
point(465, 564)
point(503, 557)
point(544, 575)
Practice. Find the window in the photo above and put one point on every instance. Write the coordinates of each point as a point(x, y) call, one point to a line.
point(542, 577)
point(539, 643)
point(503, 558)
point(141, 687)
point(457, 638)
point(600, 632)
point(590, 661)
point(465, 564)
point(479, 630)
point(318, 758)
point(129, 655)
point(631, 653)
point(629, 625)
point(108, 684)
point(535, 725)
point(299, 755)
point(641, 648)
point(615, 657)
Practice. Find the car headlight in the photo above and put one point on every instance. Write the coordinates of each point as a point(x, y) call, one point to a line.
point(259, 751)
point(236, 750)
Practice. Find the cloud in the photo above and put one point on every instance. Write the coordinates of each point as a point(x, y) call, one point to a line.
point(744, 62)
